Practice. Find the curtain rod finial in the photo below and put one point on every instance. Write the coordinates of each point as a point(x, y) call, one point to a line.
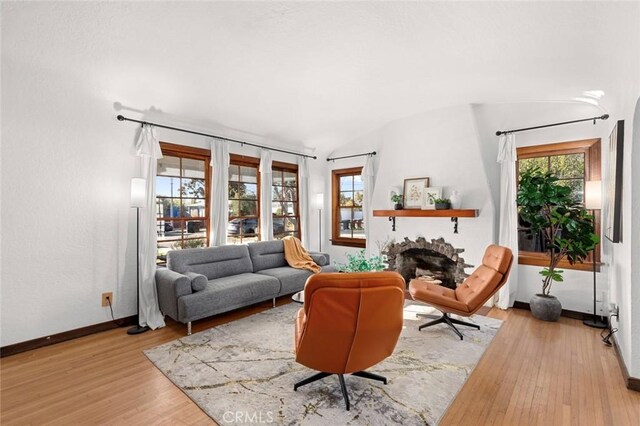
point(120, 118)
point(498, 133)
point(604, 117)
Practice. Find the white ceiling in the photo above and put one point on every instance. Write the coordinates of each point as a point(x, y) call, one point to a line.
point(324, 72)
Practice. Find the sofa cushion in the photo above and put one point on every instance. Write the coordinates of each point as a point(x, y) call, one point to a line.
point(212, 262)
point(198, 281)
point(227, 293)
point(292, 279)
point(319, 258)
point(267, 255)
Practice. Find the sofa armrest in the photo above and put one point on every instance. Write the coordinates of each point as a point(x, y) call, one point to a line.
point(171, 286)
point(320, 258)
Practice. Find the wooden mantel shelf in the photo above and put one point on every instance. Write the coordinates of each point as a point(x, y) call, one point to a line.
point(427, 213)
point(454, 214)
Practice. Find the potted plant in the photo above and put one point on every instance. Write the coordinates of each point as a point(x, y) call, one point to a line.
point(440, 203)
point(360, 263)
point(566, 227)
point(397, 198)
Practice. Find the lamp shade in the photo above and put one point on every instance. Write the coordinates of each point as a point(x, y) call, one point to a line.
point(319, 200)
point(138, 192)
point(593, 195)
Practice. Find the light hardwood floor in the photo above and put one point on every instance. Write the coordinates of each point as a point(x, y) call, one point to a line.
point(533, 373)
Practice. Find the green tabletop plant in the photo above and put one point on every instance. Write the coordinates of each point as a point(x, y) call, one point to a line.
point(397, 199)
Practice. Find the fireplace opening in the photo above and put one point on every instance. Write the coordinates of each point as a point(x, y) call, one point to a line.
point(435, 258)
point(416, 262)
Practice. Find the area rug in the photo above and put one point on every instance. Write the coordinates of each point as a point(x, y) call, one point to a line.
point(244, 371)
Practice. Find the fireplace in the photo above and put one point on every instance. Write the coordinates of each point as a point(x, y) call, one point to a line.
point(436, 258)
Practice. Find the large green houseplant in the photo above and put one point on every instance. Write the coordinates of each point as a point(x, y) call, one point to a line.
point(566, 227)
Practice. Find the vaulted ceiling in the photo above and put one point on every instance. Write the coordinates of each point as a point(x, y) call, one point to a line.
point(310, 73)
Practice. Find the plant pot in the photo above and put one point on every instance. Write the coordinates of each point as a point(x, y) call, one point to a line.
point(398, 206)
point(545, 308)
point(443, 206)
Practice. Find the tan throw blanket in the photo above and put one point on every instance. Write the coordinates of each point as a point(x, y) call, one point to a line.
point(296, 256)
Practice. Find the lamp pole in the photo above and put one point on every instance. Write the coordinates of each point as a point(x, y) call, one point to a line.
point(138, 199)
point(594, 322)
point(592, 192)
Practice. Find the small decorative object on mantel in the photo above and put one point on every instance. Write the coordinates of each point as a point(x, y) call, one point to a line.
point(397, 199)
point(431, 194)
point(456, 200)
point(440, 203)
point(414, 192)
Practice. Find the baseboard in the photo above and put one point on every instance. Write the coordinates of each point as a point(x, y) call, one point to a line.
point(632, 383)
point(565, 312)
point(64, 336)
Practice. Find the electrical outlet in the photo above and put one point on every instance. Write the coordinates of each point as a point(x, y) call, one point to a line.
point(106, 296)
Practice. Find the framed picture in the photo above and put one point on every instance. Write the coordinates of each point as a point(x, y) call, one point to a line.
point(414, 192)
point(613, 227)
point(427, 202)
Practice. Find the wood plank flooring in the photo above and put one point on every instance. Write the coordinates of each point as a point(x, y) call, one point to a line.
point(533, 373)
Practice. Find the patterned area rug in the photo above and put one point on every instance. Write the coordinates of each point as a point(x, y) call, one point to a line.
point(243, 372)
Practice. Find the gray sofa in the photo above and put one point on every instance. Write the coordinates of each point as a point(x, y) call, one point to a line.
point(202, 282)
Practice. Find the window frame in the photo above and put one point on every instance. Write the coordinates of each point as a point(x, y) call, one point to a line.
point(279, 166)
point(181, 151)
point(246, 161)
point(591, 148)
point(336, 239)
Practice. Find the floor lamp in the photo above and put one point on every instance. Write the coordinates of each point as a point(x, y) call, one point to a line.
point(319, 203)
point(592, 201)
point(138, 199)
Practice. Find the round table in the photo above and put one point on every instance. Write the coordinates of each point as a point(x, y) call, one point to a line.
point(298, 297)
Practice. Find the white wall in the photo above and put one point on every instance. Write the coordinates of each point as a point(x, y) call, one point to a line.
point(443, 146)
point(68, 233)
point(624, 268)
point(632, 323)
point(576, 292)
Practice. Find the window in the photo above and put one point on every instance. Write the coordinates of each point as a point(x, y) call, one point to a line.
point(348, 219)
point(182, 209)
point(182, 199)
point(572, 163)
point(284, 205)
point(244, 200)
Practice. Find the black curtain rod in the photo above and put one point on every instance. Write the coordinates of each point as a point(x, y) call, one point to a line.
point(351, 156)
point(504, 132)
point(123, 118)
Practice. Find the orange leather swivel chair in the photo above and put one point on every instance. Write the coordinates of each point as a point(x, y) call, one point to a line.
point(349, 322)
point(465, 300)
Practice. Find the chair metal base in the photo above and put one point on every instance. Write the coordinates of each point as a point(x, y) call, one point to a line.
point(446, 318)
point(343, 386)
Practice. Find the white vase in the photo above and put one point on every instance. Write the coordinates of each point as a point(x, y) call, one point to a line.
point(456, 200)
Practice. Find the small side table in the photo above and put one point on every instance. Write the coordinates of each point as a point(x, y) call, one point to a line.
point(298, 297)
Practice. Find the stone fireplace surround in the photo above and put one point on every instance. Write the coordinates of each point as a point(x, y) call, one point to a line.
point(436, 258)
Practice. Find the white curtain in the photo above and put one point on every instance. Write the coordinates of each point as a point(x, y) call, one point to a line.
point(219, 192)
point(508, 220)
point(266, 217)
point(303, 200)
point(148, 151)
point(367, 180)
